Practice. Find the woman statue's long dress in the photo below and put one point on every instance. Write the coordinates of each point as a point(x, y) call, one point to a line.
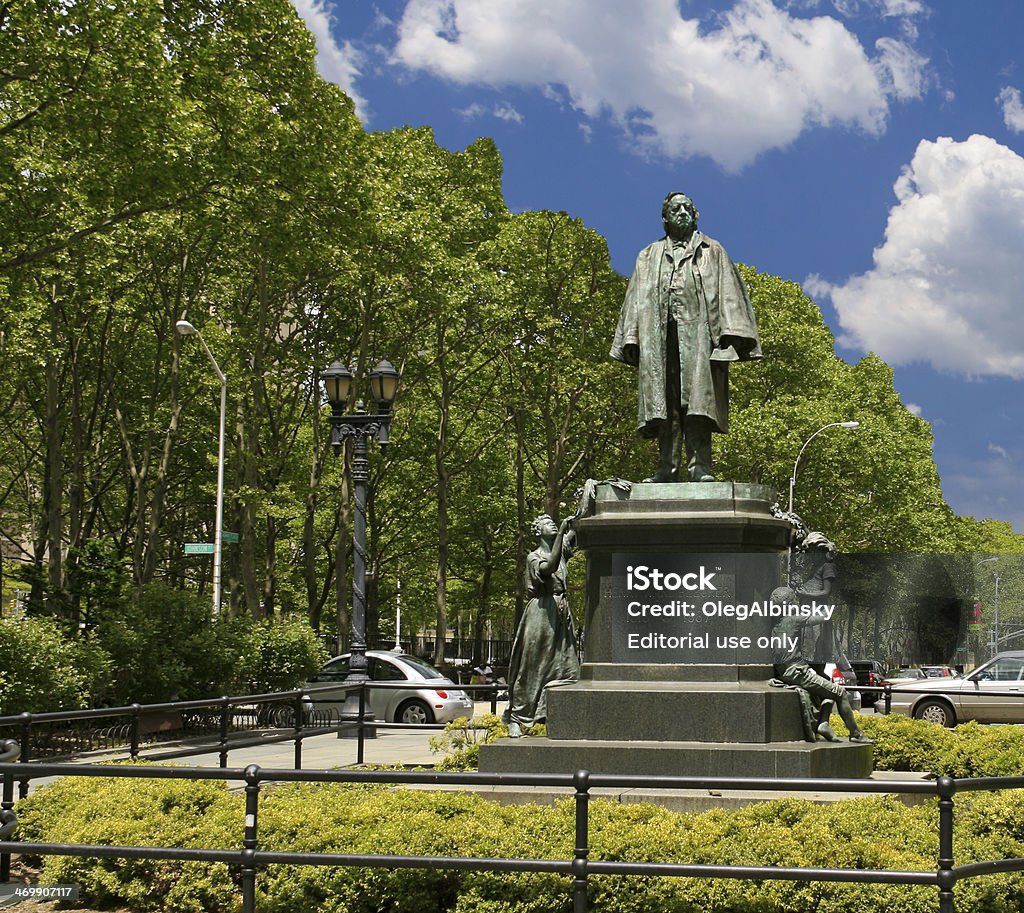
point(544, 650)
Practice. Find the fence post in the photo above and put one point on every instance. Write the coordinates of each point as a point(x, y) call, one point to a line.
point(26, 750)
point(946, 787)
point(888, 699)
point(252, 803)
point(360, 732)
point(494, 699)
point(134, 732)
point(298, 709)
point(225, 710)
point(581, 779)
point(8, 751)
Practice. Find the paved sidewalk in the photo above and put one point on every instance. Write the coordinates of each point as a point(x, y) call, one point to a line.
point(391, 746)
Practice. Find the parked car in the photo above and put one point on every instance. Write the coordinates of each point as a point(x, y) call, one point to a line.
point(899, 677)
point(904, 676)
point(430, 697)
point(847, 678)
point(992, 693)
point(940, 672)
point(869, 671)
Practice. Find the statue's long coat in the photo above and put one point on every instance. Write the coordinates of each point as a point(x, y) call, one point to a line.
point(640, 339)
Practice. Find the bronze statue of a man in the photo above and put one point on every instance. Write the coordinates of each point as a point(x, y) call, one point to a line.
point(685, 317)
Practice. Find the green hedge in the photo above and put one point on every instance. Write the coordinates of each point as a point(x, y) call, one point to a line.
point(969, 750)
point(870, 832)
point(42, 668)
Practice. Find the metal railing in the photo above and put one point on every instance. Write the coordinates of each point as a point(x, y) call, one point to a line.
point(216, 724)
point(579, 867)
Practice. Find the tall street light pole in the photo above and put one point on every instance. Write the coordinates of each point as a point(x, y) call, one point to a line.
point(359, 427)
point(186, 329)
point(792, 478)
point(978, 564)
point(995, 633)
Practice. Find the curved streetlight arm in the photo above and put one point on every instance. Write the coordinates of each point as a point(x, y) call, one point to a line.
point(792, 478)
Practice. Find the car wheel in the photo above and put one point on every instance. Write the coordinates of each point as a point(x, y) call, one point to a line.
point(414, 711)
point(934, 711)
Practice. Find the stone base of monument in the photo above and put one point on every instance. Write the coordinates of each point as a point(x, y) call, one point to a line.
point(681, 689)
point(677, 759)
point(717, 722)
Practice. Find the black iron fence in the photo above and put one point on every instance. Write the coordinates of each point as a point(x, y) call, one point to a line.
point(579, 868)
point(198, 727)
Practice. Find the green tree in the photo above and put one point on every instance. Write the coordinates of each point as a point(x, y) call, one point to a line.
point(41, 669)
point(277, 655)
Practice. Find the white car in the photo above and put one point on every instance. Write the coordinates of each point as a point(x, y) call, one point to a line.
point(430, 697)
point(992, 693)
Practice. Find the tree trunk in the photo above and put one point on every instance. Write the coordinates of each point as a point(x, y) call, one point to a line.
point(310, 575)
point(521, 519)
point(54, 480)
point(441, 588)
point(249, 481)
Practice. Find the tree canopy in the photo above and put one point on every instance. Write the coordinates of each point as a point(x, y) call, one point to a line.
point(158, 161)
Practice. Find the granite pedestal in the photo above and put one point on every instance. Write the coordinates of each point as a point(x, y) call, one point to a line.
point(676, 689)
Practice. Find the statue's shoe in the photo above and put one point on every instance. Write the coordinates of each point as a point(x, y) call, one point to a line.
point(661, 477)
point(826, 731)
point(861, 739)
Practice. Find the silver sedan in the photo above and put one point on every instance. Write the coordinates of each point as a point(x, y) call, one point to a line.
point(429, 697)
point(992, 693)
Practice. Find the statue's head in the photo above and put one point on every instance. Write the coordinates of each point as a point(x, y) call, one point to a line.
point(818, 542)
point(543, 526)
point(678, 214)
point(783, 595)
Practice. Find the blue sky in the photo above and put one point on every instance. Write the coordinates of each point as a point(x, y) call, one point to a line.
point(872, 150)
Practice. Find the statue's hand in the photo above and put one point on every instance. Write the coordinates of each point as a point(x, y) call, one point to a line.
point(741, 344)
point(631, 354)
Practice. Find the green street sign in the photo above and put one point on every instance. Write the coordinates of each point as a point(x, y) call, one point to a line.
point(198, 548)
point(225, 536)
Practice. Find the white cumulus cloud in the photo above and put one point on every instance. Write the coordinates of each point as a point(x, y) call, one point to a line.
point(1013, 109)
point(749, 80)
point(502, 111)
point(947, 285)
point(337, 63)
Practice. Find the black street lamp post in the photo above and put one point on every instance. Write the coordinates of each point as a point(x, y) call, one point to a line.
point(360, 427)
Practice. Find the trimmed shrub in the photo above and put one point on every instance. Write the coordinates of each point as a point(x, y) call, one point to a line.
point(138, 812)
point(877, 832)
point(969, 750)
